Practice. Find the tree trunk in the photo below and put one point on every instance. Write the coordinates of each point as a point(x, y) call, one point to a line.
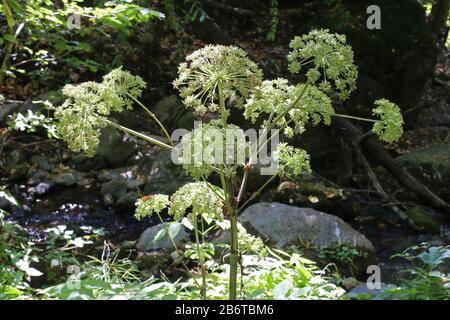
point(438, 18)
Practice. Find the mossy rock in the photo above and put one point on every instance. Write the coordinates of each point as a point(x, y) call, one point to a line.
point(431, 166)
point(423, 219)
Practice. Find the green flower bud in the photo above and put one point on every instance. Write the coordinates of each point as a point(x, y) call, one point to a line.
point(329, 58)
point(291, 161)
point(390, 127)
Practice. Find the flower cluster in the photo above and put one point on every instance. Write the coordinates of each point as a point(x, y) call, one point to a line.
point(250, 244)
point(154, 204)
point(390, 127)
point(212, 68)
point(277, 97)
point(82, 115)
point(291, 161)
point(211, 144)
point(200, 198)
point(126, 87)
point(330, 58)
point(272, 96)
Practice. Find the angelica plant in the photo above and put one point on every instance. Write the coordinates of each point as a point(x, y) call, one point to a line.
point(212, 80)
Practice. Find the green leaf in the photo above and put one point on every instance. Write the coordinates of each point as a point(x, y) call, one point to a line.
point(281, 289)
point(10, 38)
point(161, 234)
point(174, 229)
point(5, 194)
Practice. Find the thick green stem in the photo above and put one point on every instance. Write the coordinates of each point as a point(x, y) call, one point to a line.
point(202, 261)
point(223, 111)
point(234, 255)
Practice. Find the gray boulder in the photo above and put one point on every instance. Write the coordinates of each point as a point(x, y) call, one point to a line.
point(282, 225)
point(6, 110)
point(113, 147)
point(147, 240)
point(171, 110)
point(377, 293)
point(65, 179)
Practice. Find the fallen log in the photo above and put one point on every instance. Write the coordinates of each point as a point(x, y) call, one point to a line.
point(377, 151)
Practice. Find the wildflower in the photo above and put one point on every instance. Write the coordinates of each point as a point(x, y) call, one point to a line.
point(291, 161)
point(212, 68)
point(200, 198)
point(122, 87)
point(209, 145)
point(390, 127)
point(277, 97)
point(154, 204)
point(82, 115)
point(330, 58)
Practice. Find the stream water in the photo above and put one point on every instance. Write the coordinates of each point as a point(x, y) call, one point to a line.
point(74, 207)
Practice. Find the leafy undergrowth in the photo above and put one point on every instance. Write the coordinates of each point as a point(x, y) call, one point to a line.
point(65, 273)
point(57, 269)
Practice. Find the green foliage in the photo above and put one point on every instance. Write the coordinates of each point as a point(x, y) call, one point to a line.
point(271, 35)
point(282, 277)
point(15, 258)
point(31, 121)
point(428, 280)
point(195, 12)
point(344, 254)
point(20, 257)
point(52, 36)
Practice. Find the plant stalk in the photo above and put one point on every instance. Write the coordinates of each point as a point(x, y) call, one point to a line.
point(202, 261)
point(153, 116)
point(139, 135)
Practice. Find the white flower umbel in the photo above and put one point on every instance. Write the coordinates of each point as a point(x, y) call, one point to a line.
point(150, 205)
point(210, 145)
point(200, 199)
point(214, 71)
point(275, 98)
point(84, 111)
